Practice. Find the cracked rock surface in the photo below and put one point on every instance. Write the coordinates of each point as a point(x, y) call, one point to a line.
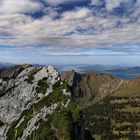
point(35, 104)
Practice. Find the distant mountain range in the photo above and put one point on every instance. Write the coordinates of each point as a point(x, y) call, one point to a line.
point(121, 72)
point(5, 64)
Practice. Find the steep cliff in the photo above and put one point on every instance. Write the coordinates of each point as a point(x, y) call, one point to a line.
point(90, 88)
point(36, 105)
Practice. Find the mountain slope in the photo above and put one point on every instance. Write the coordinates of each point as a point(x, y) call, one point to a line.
point(12, 72)
point(111, 106)
point(91, 87)
point(36, 105)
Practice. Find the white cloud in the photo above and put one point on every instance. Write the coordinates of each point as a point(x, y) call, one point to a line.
point(75, 28)
point(79, 13)
point(25, 30)
point(19, 6)
point(111, 4)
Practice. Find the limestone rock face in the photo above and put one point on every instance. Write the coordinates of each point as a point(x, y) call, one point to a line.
point(32, 102)
point(69, 77)
point(18, 95)
point(49, 73)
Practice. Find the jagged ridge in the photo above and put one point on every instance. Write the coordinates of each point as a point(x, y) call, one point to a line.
point(35, 105)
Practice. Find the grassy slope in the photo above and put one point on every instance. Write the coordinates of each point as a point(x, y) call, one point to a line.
point(105, 119)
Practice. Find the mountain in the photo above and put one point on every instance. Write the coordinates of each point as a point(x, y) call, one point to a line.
point(36, 105)
point(125, 73)
point(39, 103)
point(5, 64)
point(12, 72)
point(121, 72)
point(111, 106)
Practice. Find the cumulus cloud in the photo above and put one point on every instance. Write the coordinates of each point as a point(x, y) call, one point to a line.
point(111, 4)
point(79, 13)
point(19, 6)
point(69, 31)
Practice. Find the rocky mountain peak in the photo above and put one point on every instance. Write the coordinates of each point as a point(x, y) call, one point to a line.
point(12, 72)
point(71, 78)
point(29, 98)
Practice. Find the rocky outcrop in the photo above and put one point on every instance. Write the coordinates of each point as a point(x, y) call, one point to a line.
point(12, 72)
point(71, 78)
point(34, 102)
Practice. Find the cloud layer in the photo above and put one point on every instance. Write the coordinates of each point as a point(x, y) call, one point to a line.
point(66, 27)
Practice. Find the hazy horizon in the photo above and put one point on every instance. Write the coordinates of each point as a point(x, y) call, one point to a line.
point(93, 32)
point(80, 60)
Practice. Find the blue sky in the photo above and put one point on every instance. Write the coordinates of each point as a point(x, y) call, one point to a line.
point(70, 31)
